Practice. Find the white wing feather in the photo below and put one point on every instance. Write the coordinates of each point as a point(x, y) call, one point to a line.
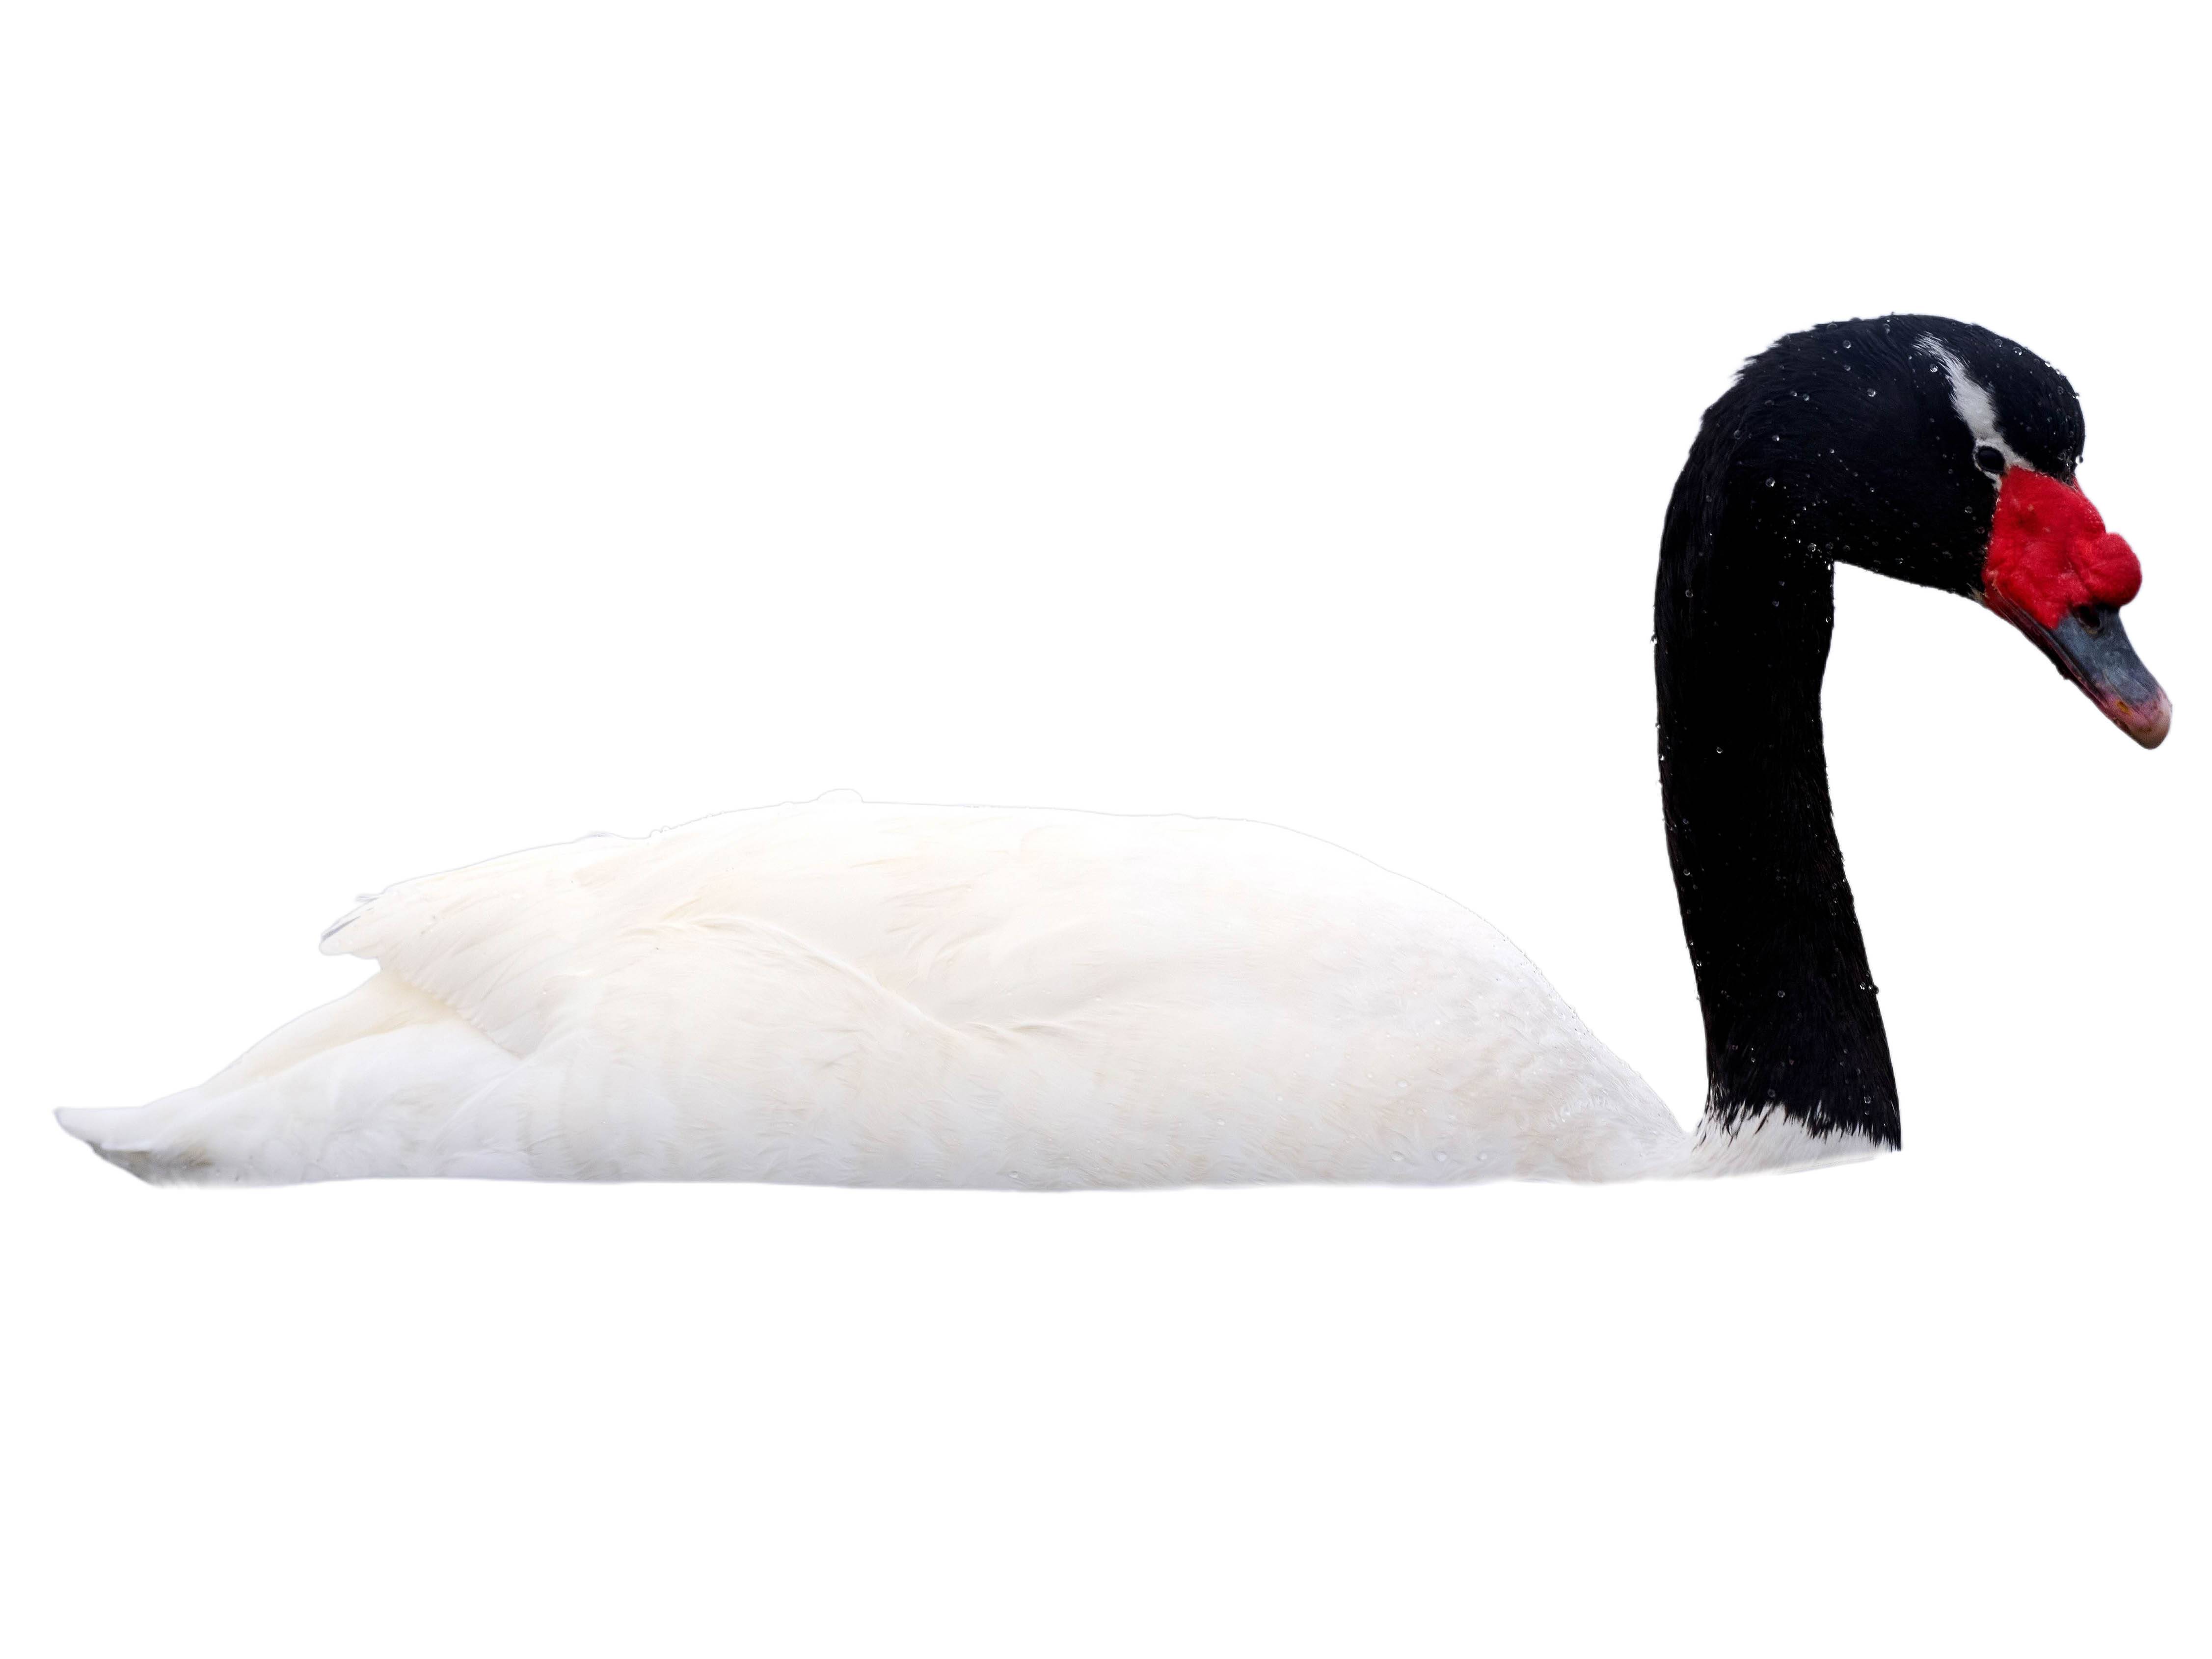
point(920, 996)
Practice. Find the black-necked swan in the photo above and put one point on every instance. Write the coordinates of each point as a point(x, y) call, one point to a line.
point(933, 996)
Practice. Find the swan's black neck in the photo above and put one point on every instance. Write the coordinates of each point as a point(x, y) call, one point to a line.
point(1745, 609)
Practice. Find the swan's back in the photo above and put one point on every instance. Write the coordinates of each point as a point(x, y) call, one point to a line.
point(890, 995)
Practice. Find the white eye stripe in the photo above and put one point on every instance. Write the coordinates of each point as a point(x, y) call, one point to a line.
point(1971, 399)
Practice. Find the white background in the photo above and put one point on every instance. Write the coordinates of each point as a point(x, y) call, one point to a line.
point(433, 430)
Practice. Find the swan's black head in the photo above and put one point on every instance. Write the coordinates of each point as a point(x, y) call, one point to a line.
point(1940, 453)
point(1926, 449)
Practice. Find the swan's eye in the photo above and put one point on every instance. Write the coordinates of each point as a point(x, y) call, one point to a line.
point(1991, 460)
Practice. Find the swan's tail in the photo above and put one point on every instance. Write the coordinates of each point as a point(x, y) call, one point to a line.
point(126, 1136)
point(384, 1081)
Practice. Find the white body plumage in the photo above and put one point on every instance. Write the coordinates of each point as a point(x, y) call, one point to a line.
point(927, 996)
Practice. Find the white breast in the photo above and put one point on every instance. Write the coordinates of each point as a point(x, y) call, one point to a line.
point(922, 996)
